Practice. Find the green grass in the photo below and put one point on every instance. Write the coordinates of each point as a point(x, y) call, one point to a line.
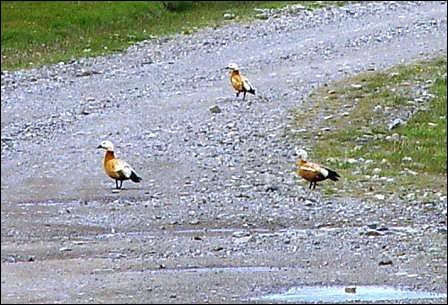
point(34, 33)
point(408, 158)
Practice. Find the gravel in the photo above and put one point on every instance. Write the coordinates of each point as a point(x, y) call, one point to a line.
point(225, 176)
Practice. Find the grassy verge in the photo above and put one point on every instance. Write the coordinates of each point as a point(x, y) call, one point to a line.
point(348, 126)
point(34, 33)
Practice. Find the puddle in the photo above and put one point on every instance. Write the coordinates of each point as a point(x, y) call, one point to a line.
point(338, 294)
point(218, 269)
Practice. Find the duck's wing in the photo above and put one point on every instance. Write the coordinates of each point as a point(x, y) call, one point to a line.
point(122, 168)
point(315, 168)
point(247, 85)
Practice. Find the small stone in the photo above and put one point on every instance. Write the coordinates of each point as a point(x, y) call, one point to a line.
point(308, 204)
point(239, 234)
point(406, 159)
point(11, 259)
point(229, 16)
point(407, 170)
point(379, 196)
point(116, 255)
point(215, 109)
point(356, 86)
point(218, 248)
point(351, 161)
point(65, 249)
point(395, 123)
point(271, 188)
point(194, 222)
point(373, 233)
point(410, 196)
point(372, 226)
point(244, 240)
point(385, 262)
point(350, 289)
point(376, 170)
point(442, 230)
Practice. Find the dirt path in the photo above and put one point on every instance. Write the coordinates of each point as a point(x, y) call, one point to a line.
point(219, 216)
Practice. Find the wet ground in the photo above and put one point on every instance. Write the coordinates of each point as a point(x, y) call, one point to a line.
point(220, 215)
point(341, 294)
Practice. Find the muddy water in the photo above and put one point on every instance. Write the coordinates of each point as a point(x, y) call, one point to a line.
point(340, 295)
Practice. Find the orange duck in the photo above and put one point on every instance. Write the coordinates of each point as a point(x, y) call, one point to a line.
point(313, 172)
point(239, 82)
point(115, 168)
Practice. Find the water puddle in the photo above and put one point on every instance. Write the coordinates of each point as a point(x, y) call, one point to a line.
point(218, 269)
point(341, 294)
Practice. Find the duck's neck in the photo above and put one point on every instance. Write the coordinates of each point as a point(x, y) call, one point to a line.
point(109, 156)
point(235, 72)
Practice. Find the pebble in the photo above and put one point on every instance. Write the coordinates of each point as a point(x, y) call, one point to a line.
point(380, 196)
point(229, 16)
point(350, 289)
point(215, 109)
point(239, 234)
point(373, 233)
point(385, 262)
point(356, 86)
point(395, 123)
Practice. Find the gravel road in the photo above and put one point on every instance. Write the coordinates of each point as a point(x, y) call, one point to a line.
point(220, 215)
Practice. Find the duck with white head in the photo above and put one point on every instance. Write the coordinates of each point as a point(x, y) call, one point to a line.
point(117, 169)
point(239, 82)
point(313, 172)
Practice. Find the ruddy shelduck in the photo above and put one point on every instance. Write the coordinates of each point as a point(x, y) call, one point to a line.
point(115, 168)
point(239, 82)
point(313, 172)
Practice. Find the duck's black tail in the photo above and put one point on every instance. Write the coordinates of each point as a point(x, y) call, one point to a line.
point(135, 178)
point(252, 91)
point(332, 175)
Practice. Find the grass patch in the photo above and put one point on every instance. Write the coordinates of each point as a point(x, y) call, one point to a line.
point(34, 33)
point(348, 124)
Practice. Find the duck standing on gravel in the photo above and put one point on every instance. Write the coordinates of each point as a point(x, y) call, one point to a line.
point(313, 172)
point(239, 82)
point(115, 168)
